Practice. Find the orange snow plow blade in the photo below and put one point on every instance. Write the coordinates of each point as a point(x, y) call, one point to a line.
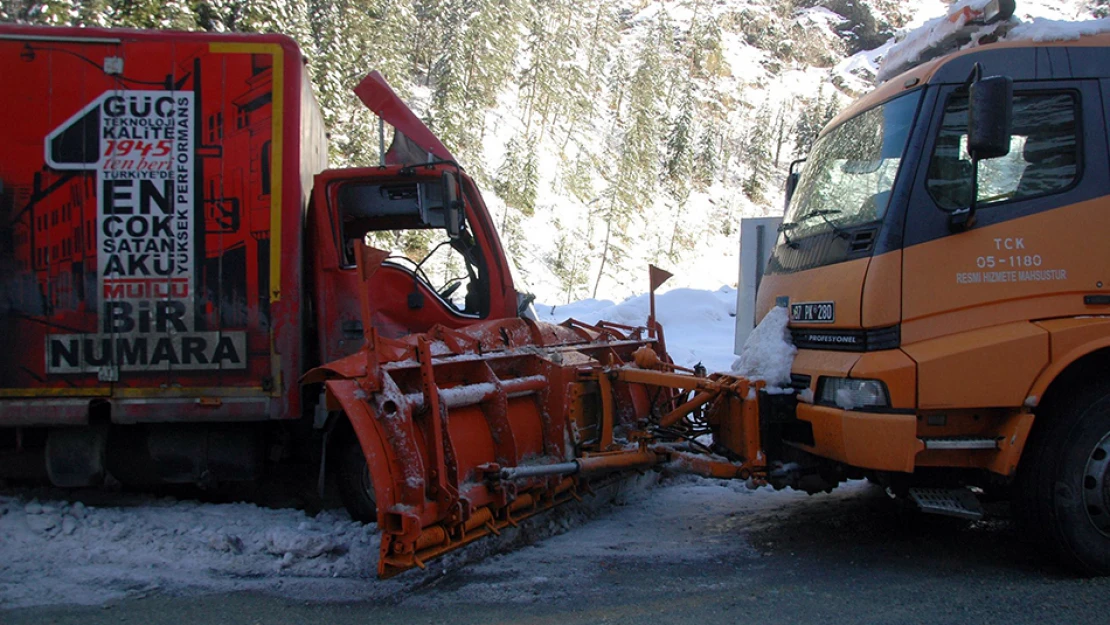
point(466, 432)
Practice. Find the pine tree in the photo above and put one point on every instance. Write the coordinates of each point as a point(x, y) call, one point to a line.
point(815, 114)
point(330, 63)
point(289, 17)
point(347, 39)
point(569, 261)
point(679, 156)
point(781, 128)
point(517, 177)
point(595, 28)
point(552, 82)
point(706, 160)
point(448, 78)
point(178, 15)
point(633, 183)
point(757, 155)
point(478, 48)
point(221, 15)
point(94, 13)
point(677, 171)
point(700, 48)
point(52, 12)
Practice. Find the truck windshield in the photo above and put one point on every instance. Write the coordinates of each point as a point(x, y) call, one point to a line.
point(847, 178)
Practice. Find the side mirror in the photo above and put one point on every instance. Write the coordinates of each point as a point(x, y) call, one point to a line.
point(791, 183)
point(990, 117)
point(452, 207)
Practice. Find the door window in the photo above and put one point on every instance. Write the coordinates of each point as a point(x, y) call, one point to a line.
point(1043, 158)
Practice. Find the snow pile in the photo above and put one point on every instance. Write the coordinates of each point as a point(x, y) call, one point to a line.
point(1057, 30)
point(63, 552)
point(768, 353)
point(859, 71)
point(917, 43)
point(698, 325)
point(466, 394)
point(1033, 21)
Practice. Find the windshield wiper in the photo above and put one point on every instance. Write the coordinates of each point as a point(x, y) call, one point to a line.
point(819, 213)
point(824, 215)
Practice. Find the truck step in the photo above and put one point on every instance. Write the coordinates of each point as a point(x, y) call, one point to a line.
point(959, 502)
point(960, 442)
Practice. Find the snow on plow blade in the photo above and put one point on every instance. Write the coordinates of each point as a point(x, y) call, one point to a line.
point(466, 432)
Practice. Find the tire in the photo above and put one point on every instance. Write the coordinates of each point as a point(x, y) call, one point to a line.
point(355, 487)
point(1063, 497)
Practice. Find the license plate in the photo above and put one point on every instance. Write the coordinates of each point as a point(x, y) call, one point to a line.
point(813, 312)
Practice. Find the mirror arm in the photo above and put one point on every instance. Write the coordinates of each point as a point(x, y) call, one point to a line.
point(964, 218)
point(975, 76)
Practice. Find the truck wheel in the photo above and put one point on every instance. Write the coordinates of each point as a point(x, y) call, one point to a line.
point(1064, 482)
point(355, 487)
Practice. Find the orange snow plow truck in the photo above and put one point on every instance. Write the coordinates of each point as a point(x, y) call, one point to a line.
point(939, 272)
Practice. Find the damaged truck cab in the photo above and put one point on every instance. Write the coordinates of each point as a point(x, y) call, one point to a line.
point(176, 255)
point(943, 265)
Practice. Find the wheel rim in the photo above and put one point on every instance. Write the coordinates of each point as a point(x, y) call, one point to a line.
point(367, 485)
point(1096, 486)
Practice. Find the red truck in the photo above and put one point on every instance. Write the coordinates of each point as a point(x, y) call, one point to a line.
point(175, 254)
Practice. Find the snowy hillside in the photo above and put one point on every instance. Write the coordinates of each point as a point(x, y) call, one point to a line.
point(789, 71)
point(605, 134)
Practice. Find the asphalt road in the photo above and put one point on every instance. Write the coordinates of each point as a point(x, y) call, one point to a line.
point(853, 557)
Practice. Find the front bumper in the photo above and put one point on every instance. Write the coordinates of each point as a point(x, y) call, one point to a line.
point(868, 440)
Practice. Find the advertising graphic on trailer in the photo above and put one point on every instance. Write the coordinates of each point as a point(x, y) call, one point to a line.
point(138, 245)
point(144, 230)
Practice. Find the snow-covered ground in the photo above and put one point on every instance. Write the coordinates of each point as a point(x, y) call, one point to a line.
point(53, 551)
point(124, 547)
point(99, 547)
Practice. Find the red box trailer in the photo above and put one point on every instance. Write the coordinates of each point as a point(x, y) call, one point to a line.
point(154, 187)
point(173, 256)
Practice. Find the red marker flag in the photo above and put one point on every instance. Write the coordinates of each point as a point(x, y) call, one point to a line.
point(658, 276)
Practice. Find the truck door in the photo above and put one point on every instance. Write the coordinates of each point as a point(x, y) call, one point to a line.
point(1028, 255)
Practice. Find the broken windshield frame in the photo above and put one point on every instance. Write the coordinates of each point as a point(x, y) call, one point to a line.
point(401, 215)
point(847, 178)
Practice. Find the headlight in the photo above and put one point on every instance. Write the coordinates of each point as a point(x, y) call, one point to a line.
point(849, 393)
